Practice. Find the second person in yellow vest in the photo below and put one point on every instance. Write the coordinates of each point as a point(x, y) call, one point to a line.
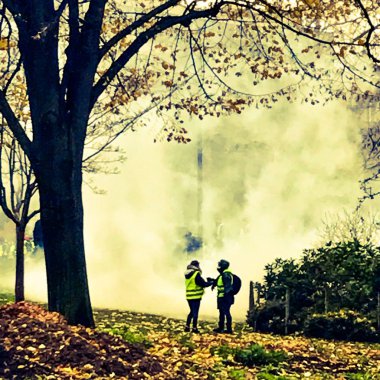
point(225, 297)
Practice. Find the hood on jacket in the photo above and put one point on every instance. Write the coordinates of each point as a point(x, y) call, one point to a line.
point(191, 269)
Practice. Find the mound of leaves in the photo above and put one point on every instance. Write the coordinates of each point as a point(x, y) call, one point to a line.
point(34, 342)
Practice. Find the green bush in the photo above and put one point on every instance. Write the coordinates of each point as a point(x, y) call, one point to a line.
point(342, 325)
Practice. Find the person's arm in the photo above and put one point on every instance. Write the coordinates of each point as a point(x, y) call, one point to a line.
point(212, 282)
point(227, 283)
point(201, 282)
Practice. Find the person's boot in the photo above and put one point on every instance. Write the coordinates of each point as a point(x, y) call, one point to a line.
point(218, 330)
point(187, 328)
point(195, 330)
point(228, 331)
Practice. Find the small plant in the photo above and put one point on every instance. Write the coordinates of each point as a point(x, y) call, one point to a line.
point(358, 376)
point(237, 374)
point(258, 355)
point(186, 341)
point(270, 376)
point(129, 336)
point(250, 356)
point(223, 351)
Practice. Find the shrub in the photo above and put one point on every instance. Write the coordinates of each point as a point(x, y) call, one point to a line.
point(342, 325)
point(270, 318)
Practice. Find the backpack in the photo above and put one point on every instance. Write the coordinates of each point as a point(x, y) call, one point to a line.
point(236, 284)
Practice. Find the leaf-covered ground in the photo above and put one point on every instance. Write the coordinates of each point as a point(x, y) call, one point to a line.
point(35, 344)
point(200, 356)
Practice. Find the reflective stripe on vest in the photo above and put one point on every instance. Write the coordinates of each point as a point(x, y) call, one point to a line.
point(193, 291)
point(220, 284)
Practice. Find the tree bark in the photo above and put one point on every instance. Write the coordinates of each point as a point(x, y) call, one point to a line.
point(19, 285)
point(62, 225)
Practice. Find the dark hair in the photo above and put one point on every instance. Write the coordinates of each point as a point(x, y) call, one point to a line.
point(195, 263)
point(223, 264)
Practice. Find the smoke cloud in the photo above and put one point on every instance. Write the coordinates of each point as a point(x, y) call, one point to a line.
point(268, 178)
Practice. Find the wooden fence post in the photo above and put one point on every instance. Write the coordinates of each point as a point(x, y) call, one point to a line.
point(287, 307)
point(378, 310)
point(326, 300)
point(251, 297)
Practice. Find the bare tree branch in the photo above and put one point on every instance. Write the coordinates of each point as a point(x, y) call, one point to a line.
point(370, 32)
point(143, 38)
point(132, 27)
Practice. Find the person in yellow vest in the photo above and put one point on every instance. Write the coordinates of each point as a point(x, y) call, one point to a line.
point(225, 297)
point(195, 285)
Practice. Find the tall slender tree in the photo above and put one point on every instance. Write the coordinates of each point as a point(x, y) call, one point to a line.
point(17, 189)
point(78, 59)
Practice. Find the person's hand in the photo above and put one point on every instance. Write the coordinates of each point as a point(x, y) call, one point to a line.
point(210, 279)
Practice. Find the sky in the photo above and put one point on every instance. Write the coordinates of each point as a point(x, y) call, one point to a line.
point(269, 178)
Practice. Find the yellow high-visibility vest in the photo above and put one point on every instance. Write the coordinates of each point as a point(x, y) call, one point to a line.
point(193, 291)
point(220, 285)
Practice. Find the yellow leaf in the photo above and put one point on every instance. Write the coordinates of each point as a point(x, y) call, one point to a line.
point(3, 44)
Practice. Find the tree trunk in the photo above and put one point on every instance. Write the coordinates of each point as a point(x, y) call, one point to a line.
point(62, 225)
point(60, 104)
point(19, 286)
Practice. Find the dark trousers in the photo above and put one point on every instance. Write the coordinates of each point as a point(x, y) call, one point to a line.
point(224, 306)
point(194, 311)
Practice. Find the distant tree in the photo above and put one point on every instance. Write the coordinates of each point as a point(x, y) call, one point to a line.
point(371, 159)
point(80, 60)
point(18, 186)
point(349, 226)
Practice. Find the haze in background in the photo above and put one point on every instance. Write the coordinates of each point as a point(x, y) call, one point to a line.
point(268, 179)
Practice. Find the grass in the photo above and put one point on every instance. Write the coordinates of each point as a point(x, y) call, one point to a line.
point(6, 298)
